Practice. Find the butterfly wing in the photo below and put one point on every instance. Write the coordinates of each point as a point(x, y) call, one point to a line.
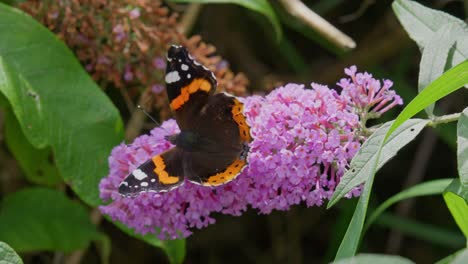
point(224, 155)
point(189, 85)
point(161, 173)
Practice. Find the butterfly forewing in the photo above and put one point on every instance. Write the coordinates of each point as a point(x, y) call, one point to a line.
point(159, 174)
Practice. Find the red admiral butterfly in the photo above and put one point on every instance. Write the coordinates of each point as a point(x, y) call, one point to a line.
point(211, 148)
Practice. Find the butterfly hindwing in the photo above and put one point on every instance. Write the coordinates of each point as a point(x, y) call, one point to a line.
point(224, 156)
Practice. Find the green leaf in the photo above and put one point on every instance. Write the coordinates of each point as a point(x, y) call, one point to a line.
point(458, 189)
point(435, 55)
point(368, 167)
point(175, 249)
point(3, 101)
point(292, 56)
point(449, 82)
point(459, 210)
point(433, 234)
point(44, 219)
point(37, 164)
point(461, 258)
point(449, 258)
point(346, 210)
point(361, 165)
point(448, 134)
point(462, 147)
point(260, 6)
point(8, 255)
point(12, 2)
point(374, 258)
point(422, 189)
point(422, 23)
point(351, 239)
point(456, 198)
point(56, 102)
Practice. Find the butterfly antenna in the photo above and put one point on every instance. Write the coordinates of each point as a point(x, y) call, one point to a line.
point(148, 115)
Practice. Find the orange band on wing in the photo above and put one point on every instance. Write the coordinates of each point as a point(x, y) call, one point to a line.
point(193, 87)
point(227, 175)
point(159, 169)
point(239, 117)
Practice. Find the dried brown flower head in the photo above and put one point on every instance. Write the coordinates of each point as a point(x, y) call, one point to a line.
point(122, 44)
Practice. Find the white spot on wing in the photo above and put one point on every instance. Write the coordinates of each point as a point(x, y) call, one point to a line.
point(184, 67)
point(124, 183)
point(172, 77)
point(139, 174)
point(153, 180)
point(144, 184)
point(189, 76)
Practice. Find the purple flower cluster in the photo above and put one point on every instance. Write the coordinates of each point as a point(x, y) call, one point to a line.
point(367, 95)
point(303, 141)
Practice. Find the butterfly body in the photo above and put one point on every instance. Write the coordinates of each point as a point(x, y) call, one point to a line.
point(187, 140)
point(211, 148)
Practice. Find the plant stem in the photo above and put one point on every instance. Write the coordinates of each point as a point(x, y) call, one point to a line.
point(300, 11)
point(444, 119)
point(189, 18)
point(433, 123)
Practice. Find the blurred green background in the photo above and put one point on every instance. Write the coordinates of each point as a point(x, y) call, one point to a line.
point(421, 229)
